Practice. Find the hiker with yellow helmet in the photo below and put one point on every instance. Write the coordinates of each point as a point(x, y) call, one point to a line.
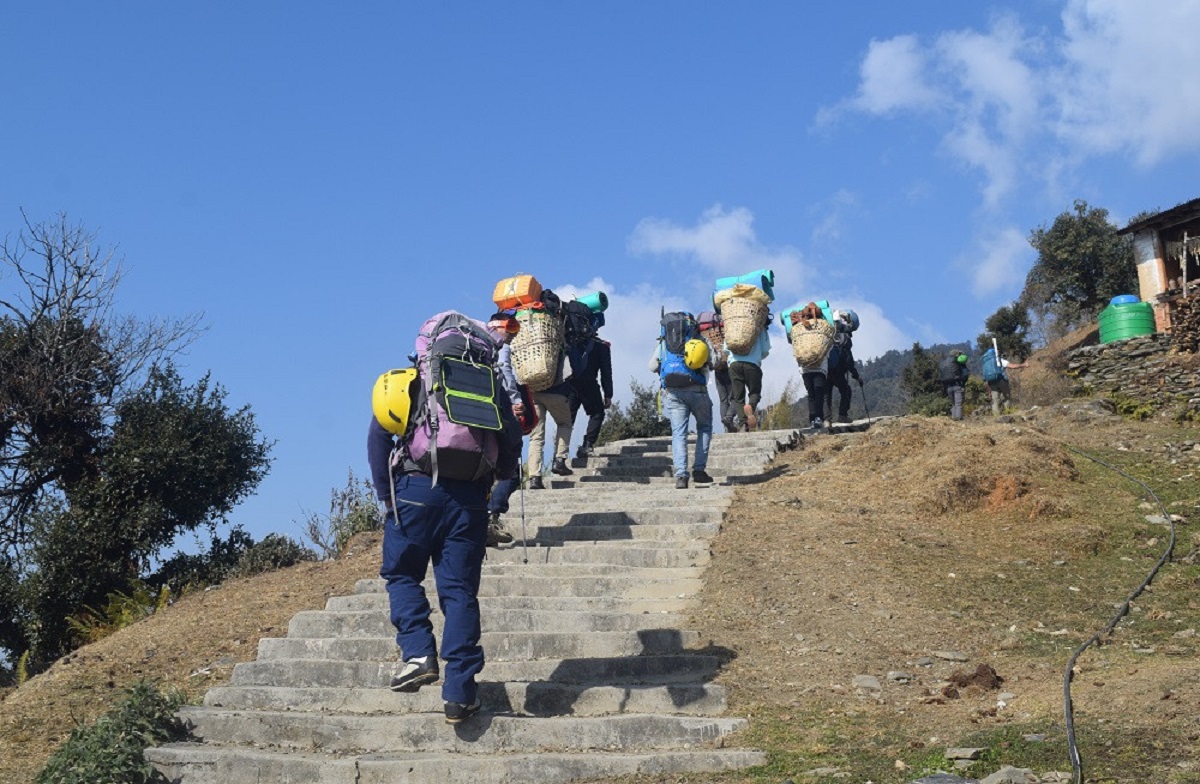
point(681, 360)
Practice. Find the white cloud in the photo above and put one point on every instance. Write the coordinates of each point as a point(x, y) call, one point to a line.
point(1125, 85)
point(893, 77)
point(999, 262)
point(1017, 106)
point(723, 242)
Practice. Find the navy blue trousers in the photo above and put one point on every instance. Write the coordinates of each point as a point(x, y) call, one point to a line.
point(446, 526)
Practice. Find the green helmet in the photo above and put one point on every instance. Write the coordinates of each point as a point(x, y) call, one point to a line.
point(961, 359)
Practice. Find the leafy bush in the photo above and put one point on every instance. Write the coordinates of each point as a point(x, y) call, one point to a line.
point(209, 568)
point(640, 419)
point(276, 551)
point(110, 751)
point(780, 415)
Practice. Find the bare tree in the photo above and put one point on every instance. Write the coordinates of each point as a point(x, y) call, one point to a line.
point(66, 358)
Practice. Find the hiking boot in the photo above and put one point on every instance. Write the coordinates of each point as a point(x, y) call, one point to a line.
point(456, 712)
point(817, 424)
point(843, 419)
point(416, 673)
point(751, 420)
point(730, 425)
point(535, 483)
point(701, 476)
point(681, 483)
point(584, 452)
point(496, 534)
point(561, 468)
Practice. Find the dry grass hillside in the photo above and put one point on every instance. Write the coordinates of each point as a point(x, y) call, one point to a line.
point(884, 594)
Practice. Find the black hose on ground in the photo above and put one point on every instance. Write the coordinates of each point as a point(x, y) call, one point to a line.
point(1068, 712)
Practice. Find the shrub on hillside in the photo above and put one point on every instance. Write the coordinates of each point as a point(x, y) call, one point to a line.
point(111, 749)
point(202, 569)
point(276, 551)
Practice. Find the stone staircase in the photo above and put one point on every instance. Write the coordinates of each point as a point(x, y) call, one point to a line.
point(591, 671)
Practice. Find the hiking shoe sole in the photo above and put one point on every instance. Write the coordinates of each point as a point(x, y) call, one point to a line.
point(457, 713)
point(751, 420)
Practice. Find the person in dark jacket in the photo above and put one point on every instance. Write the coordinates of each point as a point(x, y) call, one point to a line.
point(591, 385)
point(953, 373)
point(446, 524)
point(841, 362)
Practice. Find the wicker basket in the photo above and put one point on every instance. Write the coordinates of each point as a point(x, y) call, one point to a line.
point(537, 348)
point(716, 343)
point(744, 318)
point(811, 341)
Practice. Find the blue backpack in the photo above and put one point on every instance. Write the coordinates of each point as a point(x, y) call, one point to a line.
point(992, 371)
point(676, 329)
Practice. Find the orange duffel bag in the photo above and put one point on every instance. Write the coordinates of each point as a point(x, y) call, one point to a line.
point(517, 291)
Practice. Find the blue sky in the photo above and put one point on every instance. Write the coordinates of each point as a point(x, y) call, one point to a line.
point(317, 180)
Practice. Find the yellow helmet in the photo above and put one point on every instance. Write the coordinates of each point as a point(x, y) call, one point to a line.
point(391, 399)
point(695, 354)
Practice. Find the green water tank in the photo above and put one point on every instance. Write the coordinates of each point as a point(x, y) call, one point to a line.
point(1121, 321)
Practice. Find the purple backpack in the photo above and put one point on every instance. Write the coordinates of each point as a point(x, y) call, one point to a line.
point(456, 420)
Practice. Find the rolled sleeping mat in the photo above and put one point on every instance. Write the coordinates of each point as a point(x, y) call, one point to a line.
point(597, 301)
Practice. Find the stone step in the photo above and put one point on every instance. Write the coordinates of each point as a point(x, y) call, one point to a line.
point(424, 732)
point(203, 764)
point(671, 604)
point(620, 553)
point(513, 646)
point(630, 497)
point(606, 533)
point(591, 672)
point(552, 516)
point(532, 699)
point(526, 584)
point(718, 465)
point(677, 669)
point(495, 569)
point(374, 623)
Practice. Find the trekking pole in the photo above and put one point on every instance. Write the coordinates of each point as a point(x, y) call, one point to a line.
point(524, 538)
point(863, 395)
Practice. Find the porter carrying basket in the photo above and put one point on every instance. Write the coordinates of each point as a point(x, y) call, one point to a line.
point(811, 340)
point(743, 317)
point(536, 348)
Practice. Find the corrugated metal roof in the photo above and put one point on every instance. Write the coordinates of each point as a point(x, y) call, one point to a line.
point(1189, 210)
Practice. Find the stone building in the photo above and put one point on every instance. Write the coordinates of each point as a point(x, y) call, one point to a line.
point(1166, 247)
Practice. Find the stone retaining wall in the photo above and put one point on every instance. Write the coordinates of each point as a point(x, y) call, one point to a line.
point(1148, 371)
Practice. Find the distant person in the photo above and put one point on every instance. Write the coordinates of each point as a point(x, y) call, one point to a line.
point(816, 377)
point(1001, 388)
point(591, 384)
point(555, 401)
point(435, 501)
point(681, 360)
point(953, 373)
point(712, 328)
point(841, 362)
point(745, 372)
point(505, 327)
